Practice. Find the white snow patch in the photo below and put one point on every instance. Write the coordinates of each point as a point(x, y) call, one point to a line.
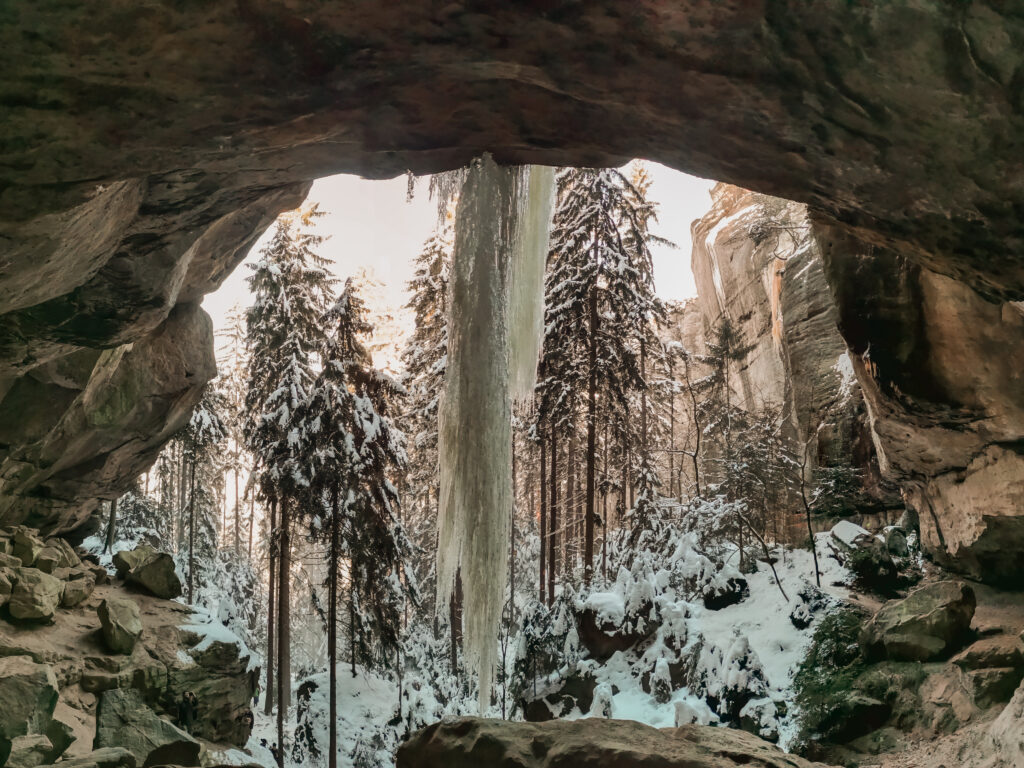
point(847, 378)
point(847, 532)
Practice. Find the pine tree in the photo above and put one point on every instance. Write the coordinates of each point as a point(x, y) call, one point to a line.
point(600, 306)
point(355, 454)
point(292, 288)
point(232, 361)
point(424, 359)
point(204, 433)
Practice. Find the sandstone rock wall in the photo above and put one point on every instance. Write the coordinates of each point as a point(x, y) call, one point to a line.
point(942, 372)
point(914, 375)
point(758, 265)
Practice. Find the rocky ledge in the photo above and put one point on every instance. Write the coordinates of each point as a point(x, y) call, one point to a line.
point(470, 742)
point(92, 669)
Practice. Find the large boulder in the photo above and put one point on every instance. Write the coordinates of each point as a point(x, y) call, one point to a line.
point(124, 720)
point(7, 579)
point(26, 546)
point(603, 637)
point(28, 696)
point(35, 595)
point(56, 554)
point(156, 575)
point(108, 757)
point(223, 681)
point(992, 652)
point(120, 623)
point(930, 623)
point(77, 588)
point(126, 559)
point(471, 742)
point(29, 751)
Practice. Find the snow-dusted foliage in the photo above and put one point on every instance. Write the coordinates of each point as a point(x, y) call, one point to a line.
point(652, 643)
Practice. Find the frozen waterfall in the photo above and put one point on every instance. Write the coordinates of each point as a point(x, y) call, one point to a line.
point(494, 333)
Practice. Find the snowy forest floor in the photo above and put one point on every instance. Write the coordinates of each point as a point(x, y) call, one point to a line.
point(759, 627)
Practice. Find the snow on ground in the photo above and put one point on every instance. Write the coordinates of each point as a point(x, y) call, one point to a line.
point(757, 627)
point(367, 708)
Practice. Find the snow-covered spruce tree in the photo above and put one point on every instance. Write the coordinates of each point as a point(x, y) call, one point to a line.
point(598, 326)
point(201, 442)
point(424, 359)
point(232, 361)
point(291, 289)
point(355, 453)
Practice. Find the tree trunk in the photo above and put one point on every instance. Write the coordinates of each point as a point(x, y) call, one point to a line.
point(111, 526)
point(543, 519)
point(553, 518)
point(696, 428)
point(332, 635)
point(270, 696)
point(589, 511)
point(191, 529)
point(604, 508)
point(512, 544)
point(238, 509)
point(284, 676)
point(671, 432)
point(455, 620)
point(569, 526)
point(252, 518)
point(351, 623)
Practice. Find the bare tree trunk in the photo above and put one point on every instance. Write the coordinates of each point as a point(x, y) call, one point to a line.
point(111, 526)
point(252, 518)
point(604, 508)
point(695, 413)
point(512, 544)
point(553, 521)
point(332, 635)
point(238, 509)
point(569, 526)
point(589, 511)
point(543, 518)
point(191, 529)
point(807, 514)
point(271, 695)
point(455, 620)
point(672, 432)
point(283, 627)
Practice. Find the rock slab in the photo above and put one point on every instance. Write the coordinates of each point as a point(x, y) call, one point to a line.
point(471, 742)
point(28, 696)
point(124, 720)
point(120, 623)
point(929, 624)
point(35, 595)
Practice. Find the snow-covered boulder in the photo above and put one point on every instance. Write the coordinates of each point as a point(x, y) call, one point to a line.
point(850, 536)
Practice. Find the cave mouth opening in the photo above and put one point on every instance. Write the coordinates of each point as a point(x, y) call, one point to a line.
point(372, 229)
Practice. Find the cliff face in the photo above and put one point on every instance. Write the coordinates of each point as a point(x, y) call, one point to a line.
point(942, 372)
point(758, 266)
point(914, 376)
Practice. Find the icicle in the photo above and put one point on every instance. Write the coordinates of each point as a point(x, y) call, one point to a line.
point(526, 323)
point(475, 419)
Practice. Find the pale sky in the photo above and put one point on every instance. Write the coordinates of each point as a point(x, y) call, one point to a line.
point(370, 225)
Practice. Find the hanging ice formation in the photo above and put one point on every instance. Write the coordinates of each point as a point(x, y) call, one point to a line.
point(526, 322)
point(494, 327)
